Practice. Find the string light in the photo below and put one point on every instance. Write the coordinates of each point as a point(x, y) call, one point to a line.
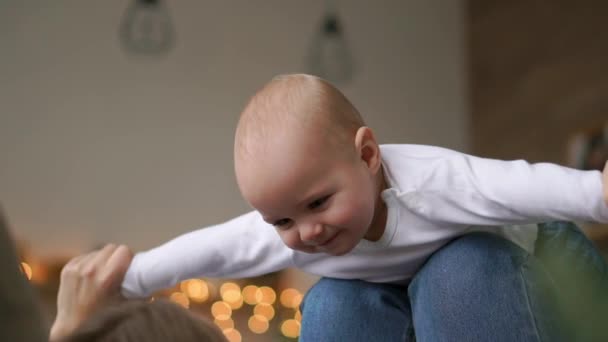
point(291, 298)
point(232, 335)
point(231, 294)
point(265, 310)
point(196, 289)
point(237, 303)
point(269, 296)
point(27, 270)
point(180, 298)
point(290, 328)
point(229, 287)
point(258, 324)
point(232, 298)
point(221, 310)
point(224, 323)
point(252, 294)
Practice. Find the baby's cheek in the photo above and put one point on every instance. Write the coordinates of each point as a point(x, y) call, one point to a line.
point(290, 238)
point(353, 212)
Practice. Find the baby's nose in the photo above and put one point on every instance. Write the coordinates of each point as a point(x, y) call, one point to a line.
point(310, 234)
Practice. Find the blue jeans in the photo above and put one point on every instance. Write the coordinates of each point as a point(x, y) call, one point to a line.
point(479, 287)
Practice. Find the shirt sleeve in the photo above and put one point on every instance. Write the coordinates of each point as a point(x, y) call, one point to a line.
point(471, 190)
point(245, 246)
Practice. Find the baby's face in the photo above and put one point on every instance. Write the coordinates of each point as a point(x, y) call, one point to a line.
point(317, 201)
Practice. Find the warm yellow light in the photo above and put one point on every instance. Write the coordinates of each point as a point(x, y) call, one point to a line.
point(268, 295)
point(258, 324)
point(252, 295)
point(297, 300)
point(290, 298)
point(224, 323)
point(35, 271)
point(183, 286)
point(232, 335)
point(197, 290)
point(290, 328)
point(27, 270)
point(229, 287)
point(221, 310)
point(180, 298)
point(235, 301)
point(298, 316)
point(231, 294)
point(265, 310)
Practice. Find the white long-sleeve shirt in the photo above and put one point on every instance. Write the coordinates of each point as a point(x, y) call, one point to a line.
point(434, 195)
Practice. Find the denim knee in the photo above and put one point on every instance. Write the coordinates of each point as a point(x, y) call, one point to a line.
point(482, 287)
point(355, 310)
point(469, 259)
point(330, 293)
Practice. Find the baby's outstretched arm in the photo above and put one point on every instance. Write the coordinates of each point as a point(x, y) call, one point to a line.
point(245, 246)
point(479, 191)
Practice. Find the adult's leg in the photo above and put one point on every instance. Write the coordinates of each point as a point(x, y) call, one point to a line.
point(581, 275)
point(481, 287)
point(354, 310)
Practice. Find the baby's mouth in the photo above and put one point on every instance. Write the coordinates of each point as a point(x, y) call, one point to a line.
point(328, 241)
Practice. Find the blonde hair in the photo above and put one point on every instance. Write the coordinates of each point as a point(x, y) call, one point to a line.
point(137, 321)
point(300, 99)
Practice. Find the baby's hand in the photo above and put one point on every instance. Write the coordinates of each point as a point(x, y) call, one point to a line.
point(87, 283)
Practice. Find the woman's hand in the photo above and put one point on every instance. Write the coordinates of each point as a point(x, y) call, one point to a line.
point(89, 282)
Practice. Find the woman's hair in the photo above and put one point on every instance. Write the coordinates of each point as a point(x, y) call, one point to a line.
point(139, 321)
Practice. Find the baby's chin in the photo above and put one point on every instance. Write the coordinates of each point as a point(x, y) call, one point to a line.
point(338, 251)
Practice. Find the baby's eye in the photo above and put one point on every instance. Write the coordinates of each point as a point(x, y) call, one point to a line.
point(282, 223)
point(317, 203)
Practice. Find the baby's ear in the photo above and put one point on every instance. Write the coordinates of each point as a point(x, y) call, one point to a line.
point(367, 148)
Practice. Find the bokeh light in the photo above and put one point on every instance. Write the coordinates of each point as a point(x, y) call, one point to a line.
point(229, 287)
point(231, 294)
point(258, 324)
point(291, 298)
point(221, 310)
point(232, 335)
point(252, 294)
point(197, 290)
point(269, 296)
point(290, 328)
point(27, 270)
point(265, 310)
point(224, 323)
point(180, 298)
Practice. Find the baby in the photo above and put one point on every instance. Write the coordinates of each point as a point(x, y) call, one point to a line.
point(329, 200)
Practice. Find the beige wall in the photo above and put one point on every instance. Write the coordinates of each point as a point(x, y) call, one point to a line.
point(100, 146)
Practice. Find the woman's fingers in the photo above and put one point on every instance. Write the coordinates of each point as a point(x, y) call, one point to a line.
point(90, 267)
point(114, 268)
point(89, 282)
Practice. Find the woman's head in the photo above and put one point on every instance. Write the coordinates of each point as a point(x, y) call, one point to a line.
point(137, 321)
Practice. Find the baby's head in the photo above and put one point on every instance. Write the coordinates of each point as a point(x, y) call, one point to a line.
point(305, 160)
